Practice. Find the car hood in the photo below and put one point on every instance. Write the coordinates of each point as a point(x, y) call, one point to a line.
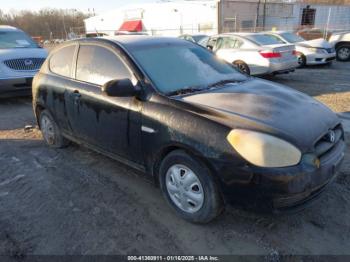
point(15, 53)
point(268, 107)
point(320, 43)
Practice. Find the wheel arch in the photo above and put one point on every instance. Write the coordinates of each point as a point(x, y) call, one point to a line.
point(166, 150)
point(342, 43)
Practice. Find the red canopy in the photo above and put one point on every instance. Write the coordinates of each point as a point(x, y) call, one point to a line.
point(131, 26)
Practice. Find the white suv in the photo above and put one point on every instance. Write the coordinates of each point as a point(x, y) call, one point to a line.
point(20, 59)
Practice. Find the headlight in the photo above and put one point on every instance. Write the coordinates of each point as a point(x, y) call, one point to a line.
point(263, 150)
point(317, 50)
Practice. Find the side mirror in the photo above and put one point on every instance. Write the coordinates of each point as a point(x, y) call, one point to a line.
point(210, 47)
point(119, 88)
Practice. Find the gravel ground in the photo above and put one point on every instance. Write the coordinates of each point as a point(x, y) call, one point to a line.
point(75, 201)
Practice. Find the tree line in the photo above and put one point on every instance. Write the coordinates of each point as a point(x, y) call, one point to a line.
point(46, 23)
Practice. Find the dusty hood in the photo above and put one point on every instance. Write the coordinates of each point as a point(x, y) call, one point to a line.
point(269, 107)
point(321, 43)
point(15, 53)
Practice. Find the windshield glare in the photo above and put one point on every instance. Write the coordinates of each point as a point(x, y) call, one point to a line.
point(292, 38)
point(179, 66)
point(16, 39)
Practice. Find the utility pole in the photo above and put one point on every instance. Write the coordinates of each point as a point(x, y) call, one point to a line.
point(257, 16)
point(264, 20)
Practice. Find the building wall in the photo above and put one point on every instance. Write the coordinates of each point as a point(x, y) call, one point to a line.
point(164, 18)
point(278, 15)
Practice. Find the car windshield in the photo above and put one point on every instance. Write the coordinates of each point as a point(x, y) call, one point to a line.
point(176, 67)
point(292, 38)
point(16, 39)
point(263, 39)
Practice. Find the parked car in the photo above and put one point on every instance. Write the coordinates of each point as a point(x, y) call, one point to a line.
point(195, 38)
point(20, 59)
point(201, 129)
point(203, 42)
point(129, 33)
point(254, 53)
point(312, 52)
point(340, 40)
point(97, 34)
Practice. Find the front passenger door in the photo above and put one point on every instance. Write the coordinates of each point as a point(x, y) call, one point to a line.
point(112, 124)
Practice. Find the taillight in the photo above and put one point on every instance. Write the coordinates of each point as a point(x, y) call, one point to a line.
point(295, 52)
point(269, 55)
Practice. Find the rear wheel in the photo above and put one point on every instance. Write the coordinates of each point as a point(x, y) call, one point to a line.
point(242, 67)
point(50, 131)
point(343, 53)
point(189, 188)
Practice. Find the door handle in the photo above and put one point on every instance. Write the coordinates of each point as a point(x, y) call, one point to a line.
point(76, 96)
point(76, 93)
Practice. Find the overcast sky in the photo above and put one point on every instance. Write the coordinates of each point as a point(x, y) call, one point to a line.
point(83, 5)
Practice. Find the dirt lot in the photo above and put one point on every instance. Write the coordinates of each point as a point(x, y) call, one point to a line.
point(75, 201)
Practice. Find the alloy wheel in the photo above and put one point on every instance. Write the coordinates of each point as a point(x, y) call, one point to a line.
point(344, 53)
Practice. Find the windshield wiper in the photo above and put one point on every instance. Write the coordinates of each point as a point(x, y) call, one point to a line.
point(184, 91)
point(224, 82)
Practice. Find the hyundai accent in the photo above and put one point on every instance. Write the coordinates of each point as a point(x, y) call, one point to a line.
point(201, 129)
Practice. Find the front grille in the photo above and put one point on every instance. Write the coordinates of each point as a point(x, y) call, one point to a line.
point(328, 141)
point(25, 64)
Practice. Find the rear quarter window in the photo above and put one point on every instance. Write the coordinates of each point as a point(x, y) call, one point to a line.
point(62, 60)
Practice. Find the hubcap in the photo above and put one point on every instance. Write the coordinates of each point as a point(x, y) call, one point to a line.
point(184, 188)
point(344, 53)
point(47, 130)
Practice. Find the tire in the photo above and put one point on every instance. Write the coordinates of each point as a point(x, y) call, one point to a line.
point(50, 131)
point(198, 199)
point(301, 60)
point(242, 67)
point(343, 53)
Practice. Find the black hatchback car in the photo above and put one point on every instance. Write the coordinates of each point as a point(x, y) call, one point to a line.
point(204, 131)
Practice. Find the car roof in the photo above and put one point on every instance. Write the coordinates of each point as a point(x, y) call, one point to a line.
point(130, 41)
point(8, 28)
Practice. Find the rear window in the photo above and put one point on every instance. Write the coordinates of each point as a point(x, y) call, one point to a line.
point(62, 60)
point(263, 39)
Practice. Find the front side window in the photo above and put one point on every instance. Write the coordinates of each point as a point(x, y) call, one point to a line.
point(16, 39)
point(174, 66)
point(98, 65)
point(62, 60)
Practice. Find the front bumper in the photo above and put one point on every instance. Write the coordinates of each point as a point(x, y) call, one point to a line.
point(318, 59)
point(16, 86)
point(281, 189)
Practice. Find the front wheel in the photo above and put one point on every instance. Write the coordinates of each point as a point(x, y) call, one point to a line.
point(343, 53)
point(189, 188)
